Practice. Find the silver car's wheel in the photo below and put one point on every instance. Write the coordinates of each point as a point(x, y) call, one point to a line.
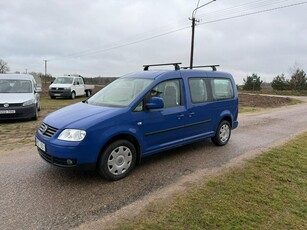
point(222, 134)
point(117, 160)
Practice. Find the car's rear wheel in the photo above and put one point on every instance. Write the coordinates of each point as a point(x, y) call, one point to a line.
point(223, 133)
point(117, 160)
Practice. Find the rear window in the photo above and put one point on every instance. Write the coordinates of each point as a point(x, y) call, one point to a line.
point(221, 89)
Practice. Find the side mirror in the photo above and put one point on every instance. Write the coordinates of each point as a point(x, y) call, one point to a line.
point(38, 89)
point(155, 103)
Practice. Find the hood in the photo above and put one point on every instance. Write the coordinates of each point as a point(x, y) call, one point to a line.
point(59, 85)
point(80, 116)
point(15, 97)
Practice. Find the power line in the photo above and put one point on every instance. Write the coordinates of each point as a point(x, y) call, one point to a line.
point(91, 51)
point(119, 44)
point(252, 13)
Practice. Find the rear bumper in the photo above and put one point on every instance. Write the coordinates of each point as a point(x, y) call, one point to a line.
point(235, 124)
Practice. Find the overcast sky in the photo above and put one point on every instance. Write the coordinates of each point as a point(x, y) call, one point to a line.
point(115, 37)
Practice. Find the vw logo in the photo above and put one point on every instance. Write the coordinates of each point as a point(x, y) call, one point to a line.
point(44, 129)
point(6, 105)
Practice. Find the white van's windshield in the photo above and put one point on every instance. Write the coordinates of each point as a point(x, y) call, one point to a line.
point(120, 93)
point(15, 86)
point(63, 80)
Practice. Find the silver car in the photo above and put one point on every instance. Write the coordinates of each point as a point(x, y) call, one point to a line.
point(19, 97)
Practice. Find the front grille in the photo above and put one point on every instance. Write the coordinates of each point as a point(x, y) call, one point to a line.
point(56, 160)
point(53, 88)
point(8, 105)
point(46, 130)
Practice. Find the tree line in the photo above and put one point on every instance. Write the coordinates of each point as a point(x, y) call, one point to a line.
point(296, 81)
point(47, 79)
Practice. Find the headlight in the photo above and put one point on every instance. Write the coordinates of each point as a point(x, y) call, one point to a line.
point(30, 102)
point(72, 135)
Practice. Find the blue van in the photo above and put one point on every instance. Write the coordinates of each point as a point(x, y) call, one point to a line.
point(138, 115)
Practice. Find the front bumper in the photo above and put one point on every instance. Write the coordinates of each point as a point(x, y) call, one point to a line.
point(59, 92)
point(66, 154)
point(17, 112)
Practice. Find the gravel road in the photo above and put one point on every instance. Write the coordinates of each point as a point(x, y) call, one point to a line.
point(35, 195)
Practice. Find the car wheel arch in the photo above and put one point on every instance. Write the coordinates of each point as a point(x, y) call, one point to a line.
point(127, 137)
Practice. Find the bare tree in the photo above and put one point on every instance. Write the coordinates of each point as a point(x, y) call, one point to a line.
point(4, 68)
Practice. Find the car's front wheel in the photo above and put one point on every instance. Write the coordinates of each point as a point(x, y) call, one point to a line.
point(73, 95)
point(35, 115)
point(223, 133)
point(117, 160)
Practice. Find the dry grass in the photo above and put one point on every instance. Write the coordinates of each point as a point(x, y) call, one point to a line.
point(269, 193)
point(15, 134)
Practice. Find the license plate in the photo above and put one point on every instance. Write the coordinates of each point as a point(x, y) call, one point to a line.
point(40, 145)
point(11, 111)
point(57, 94)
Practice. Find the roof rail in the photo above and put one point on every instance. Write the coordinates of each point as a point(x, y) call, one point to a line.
point(73, 75)
point(202, 66)
point(175, 64)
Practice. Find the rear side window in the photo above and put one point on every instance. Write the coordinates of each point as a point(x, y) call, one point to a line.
point(221, 89)
point(198, 90)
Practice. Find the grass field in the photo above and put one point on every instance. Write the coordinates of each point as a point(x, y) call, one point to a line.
point(17, 133)
point(270, 192)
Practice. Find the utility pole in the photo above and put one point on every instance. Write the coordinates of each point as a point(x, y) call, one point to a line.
point(193, 30)
point(45, 68)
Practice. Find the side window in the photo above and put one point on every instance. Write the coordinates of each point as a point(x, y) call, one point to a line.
point(221, 89)
point(198, 90)
point(81, 81)
point(170, 91)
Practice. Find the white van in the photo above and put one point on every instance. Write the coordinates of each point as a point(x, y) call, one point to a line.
point(19, 97)
point(70, 86)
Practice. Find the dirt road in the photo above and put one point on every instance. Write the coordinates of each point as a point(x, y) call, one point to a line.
point(35, 195)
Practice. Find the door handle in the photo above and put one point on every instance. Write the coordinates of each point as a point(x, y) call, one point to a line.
point(191, 114)
point(180, 116)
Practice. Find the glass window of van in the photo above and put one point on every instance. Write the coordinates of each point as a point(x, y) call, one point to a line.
point(15, 86)
point(170, 91)
point(198, 90)
point(222, 89)
point(120, 93)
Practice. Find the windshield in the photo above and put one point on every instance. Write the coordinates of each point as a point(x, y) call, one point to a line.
point(120, 92)
point(15, 86)
point(63, 80)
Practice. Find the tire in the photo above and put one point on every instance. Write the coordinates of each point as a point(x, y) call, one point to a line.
point(117, 160)
point(222, 134)
point(35, 116)
point(73, 95)
point(88, 93)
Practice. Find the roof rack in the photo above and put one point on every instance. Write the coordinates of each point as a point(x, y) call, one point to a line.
point(175, 64)
point(202, 66)
point(73, 75)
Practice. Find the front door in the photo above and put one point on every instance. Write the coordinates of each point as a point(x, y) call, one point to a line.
point(163, 128)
